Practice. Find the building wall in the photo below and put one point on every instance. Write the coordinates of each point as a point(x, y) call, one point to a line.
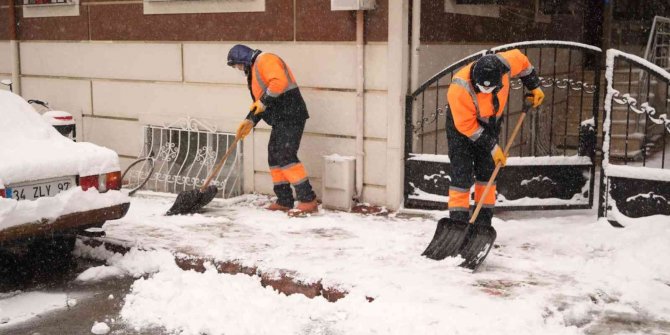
point(117, 69)
point(5, 63)
point(447, 38)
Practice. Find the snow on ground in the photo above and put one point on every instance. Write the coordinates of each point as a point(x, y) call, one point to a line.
point(18, 306)
point(564, 274)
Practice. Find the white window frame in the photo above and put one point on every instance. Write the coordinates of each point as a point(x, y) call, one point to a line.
point(450, 6)
point(202, 6)
point(69, 8)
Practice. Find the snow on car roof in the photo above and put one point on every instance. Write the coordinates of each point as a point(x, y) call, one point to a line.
point(31, 149)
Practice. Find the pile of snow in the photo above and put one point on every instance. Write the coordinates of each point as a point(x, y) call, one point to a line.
point(134, 263)
point(32, 149)
point(339, 158)
point(74, 200)
point(515, 161)
point(547, 275)
point(100, 328)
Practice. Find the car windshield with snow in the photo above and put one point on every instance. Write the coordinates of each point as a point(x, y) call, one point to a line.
point(51, 186)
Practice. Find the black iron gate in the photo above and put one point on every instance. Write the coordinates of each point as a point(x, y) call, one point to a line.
point(636, 164)
point(552, 162)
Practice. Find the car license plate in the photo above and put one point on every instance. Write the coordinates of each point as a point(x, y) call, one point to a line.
point(39, 188)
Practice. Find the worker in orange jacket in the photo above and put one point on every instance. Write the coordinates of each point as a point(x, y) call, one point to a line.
point(277, 100)
point(476, 101)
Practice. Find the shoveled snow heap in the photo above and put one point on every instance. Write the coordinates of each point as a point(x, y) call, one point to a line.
point(567, 274)
point(31, 149)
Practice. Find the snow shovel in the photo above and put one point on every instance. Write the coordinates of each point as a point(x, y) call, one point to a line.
point(472, 242)
point(191, 201)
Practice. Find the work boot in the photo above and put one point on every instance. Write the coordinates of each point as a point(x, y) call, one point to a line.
point(277, 207)
point(485, 216)
point(462, 216)
point(304, 208)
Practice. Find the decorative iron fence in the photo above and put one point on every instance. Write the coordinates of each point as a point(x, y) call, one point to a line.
point(636, 164)
point(559, 142)
point(185, 154)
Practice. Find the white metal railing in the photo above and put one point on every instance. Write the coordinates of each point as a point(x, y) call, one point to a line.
point(185, 153)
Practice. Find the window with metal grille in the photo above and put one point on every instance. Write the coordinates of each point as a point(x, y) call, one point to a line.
point(184, 158)
point(46, 2)
point(202, 6)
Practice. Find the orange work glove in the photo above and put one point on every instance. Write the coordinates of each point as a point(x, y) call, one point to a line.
point(244, 129)
point(538, 97)
point(498, 156)
point(257, 107)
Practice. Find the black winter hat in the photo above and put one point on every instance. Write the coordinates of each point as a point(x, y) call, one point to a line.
point(487, 71)
point(240, 54)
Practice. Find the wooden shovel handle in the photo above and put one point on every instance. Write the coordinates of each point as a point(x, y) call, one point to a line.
point(519, 123)
point(219, 165)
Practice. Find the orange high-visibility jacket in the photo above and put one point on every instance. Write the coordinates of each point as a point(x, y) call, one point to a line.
point(270, 76)
point(468, 106)
point(273, 83)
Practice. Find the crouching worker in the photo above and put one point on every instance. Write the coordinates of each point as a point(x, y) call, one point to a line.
point(477, 97)
point(277, 100)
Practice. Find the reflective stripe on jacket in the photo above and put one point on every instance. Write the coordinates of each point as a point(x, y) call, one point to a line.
point(271, 81)
point(270, 76)
point(467, 106)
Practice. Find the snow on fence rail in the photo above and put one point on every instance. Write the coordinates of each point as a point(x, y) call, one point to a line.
point(635, 178)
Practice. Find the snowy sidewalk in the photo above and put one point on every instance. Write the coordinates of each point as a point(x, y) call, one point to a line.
point(561, 275)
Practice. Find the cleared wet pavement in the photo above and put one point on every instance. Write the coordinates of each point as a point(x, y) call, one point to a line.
point(83, 303)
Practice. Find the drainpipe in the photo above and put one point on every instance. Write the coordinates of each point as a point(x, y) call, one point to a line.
point(360, 102)
point(14, 49)
point(416, 44)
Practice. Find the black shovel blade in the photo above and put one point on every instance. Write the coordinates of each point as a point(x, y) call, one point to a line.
point(188, 202)
point(205, 197)
point(184, 202)
point(449, 236)
point(477, 246)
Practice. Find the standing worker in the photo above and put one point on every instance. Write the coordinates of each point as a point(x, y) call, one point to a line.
point(277, 100)
point(477, 97)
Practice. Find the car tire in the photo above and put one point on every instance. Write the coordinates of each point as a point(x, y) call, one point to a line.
point(52, 253)
point(10, 270)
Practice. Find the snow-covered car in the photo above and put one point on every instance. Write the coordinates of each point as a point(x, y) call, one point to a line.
point(51, 188)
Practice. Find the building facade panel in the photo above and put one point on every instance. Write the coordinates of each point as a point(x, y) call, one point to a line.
point(313, 147)
point(318, 65)
point(334, 113)
point(217, 106)
point(124, 137)
point(136, 61)
point(5, 60)
point(72, 96)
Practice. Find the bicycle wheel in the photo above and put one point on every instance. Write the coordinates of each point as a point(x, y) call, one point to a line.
point(137, 174)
